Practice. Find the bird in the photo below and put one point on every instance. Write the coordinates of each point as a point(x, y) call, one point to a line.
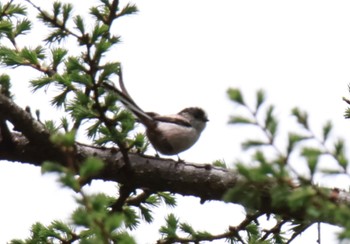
point(168, 134)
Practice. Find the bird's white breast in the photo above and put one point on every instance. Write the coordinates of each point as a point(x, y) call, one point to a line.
point(179, 136)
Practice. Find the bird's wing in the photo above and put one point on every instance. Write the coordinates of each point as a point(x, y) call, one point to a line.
point(175, 119)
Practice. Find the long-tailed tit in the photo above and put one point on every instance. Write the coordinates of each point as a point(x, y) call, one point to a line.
point(169, 134)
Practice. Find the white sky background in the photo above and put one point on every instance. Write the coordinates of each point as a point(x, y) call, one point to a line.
point(188, 53)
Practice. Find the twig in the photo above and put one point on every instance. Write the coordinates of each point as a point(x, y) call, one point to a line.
point(301, 230)
point(54, 21)
point(346, 100)
point(23, 121)
point(274, 230)
point(319, 232)
point(140, 198)
point(124, 193)
point(232, 233)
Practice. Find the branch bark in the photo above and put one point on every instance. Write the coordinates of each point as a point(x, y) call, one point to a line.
point(23, 121)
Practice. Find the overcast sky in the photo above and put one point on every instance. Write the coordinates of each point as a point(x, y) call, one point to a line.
point(188, 53)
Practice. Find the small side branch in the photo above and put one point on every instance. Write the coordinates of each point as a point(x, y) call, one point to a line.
point(23, 121)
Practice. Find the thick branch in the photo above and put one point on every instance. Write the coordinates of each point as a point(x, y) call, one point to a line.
point(155, 174)
point(23, 121)
point(32, 140)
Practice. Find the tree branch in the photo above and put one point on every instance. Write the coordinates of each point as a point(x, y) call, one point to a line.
point(23, 121)
point(157, 174)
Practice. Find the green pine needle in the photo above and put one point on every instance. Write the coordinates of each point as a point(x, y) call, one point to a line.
point(236, 96)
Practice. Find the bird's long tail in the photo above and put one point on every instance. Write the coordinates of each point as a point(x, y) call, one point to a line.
point(128, 102)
